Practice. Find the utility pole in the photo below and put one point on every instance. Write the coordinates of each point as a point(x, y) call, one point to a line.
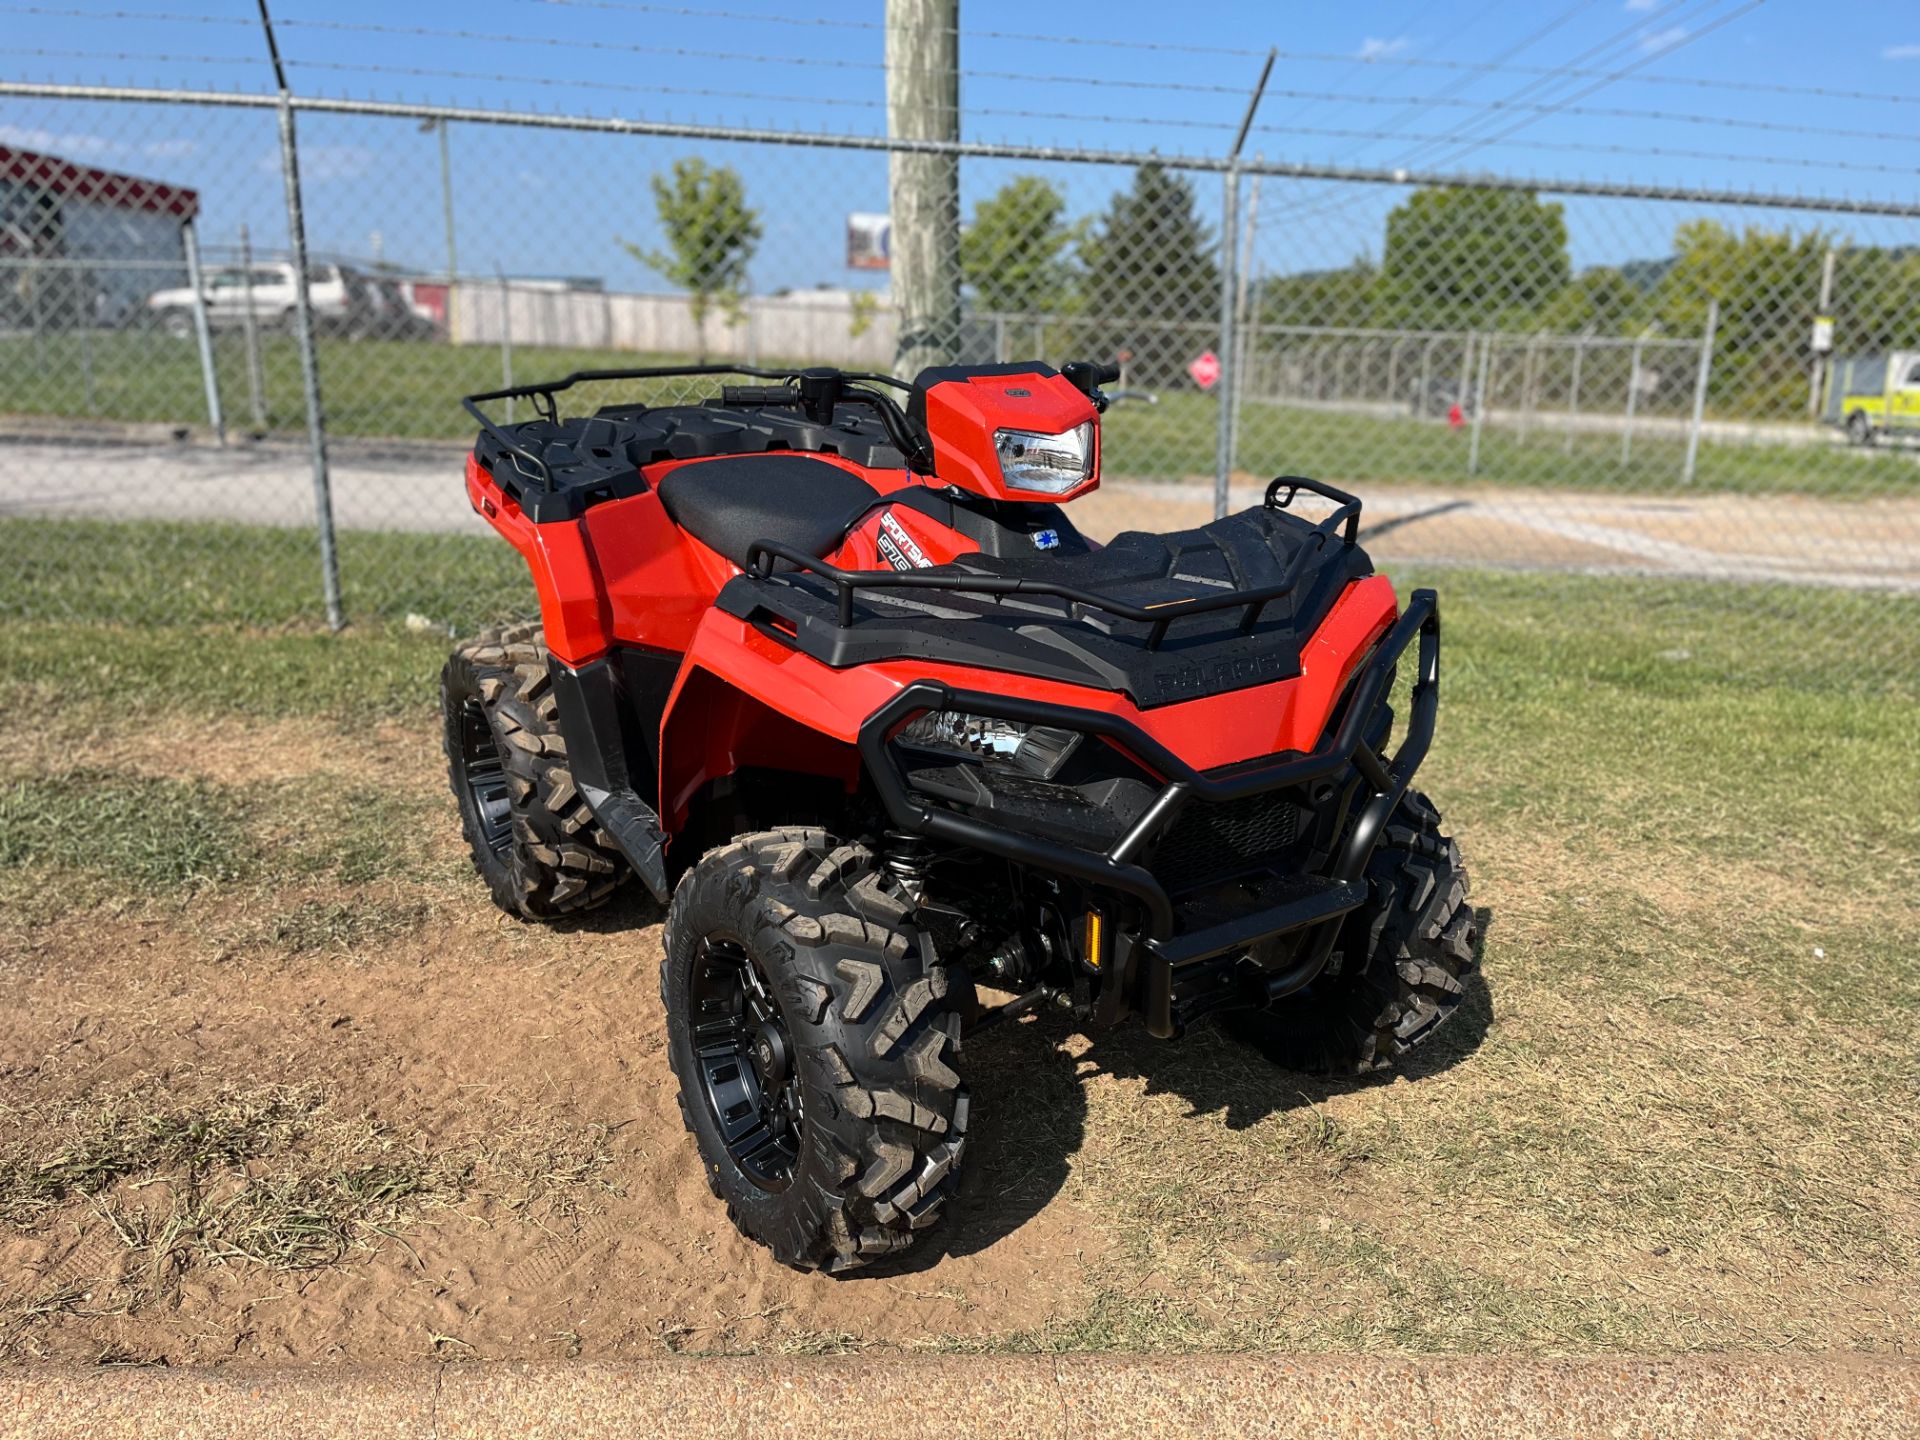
point(446, 211)
point(923, 103)
point(1822, 330)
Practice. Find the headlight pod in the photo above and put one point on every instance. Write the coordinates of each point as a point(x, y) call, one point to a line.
point(1048, 464)
point(1036, 750)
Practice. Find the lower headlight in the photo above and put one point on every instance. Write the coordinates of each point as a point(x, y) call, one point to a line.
point(1036, 750)
point(1049, 464)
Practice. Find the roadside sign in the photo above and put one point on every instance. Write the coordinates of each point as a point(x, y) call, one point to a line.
point(1822, 334)
point(1205, 369)
point(869, 241)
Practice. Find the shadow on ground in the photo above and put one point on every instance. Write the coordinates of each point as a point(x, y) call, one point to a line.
point(1030, 1103)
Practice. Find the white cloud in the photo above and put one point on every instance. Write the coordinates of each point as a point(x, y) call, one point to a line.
point(170, 149)
point(1373, 48)
point(1643, 4)
point(1901, 52)
point(1663, 39)
point(65, 144)
point(325, 164)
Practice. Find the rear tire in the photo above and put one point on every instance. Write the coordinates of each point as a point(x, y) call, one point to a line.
point(808, 1027)
point(1859, 428)
point(534, 839)
point(1397, 971)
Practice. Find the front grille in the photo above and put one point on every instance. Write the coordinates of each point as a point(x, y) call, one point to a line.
point(1211, 842)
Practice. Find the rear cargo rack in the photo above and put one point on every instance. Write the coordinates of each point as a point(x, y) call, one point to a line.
point(846, 386)
point(1342, 525)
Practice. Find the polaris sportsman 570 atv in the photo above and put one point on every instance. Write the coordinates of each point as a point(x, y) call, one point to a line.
point(836, 678)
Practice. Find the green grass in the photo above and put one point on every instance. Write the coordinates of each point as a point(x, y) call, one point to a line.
point(1175, 439)
point(1676, 1114)
point(409, 390)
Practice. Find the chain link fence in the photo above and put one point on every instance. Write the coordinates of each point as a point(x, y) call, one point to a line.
point(1573, 380)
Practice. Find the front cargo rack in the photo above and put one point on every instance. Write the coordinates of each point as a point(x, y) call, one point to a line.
point(1342, 525)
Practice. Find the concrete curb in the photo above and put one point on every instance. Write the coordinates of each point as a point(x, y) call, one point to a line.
point(900, 1397)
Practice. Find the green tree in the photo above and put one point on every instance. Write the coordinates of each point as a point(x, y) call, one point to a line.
point(1149, 273)
point(1767, 283)
point(1015, 253)
point(1458, 258)
point(1602, 301)
point(711, 235)
point(1337, 298)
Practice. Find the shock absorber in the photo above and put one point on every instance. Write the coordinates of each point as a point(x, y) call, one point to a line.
point(906, 859)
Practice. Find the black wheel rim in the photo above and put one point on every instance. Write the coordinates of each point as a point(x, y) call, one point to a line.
point(749, 1075)
point(485, 775)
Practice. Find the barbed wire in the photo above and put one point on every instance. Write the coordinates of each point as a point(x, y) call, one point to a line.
point(1579, 147)
point(59, 12)
point(1305, 57)
point(500, 77)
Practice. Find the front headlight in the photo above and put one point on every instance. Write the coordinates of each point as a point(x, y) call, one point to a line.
point(1036, 750)
point(1050, 464)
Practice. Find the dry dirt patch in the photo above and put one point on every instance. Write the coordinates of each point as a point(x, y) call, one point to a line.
point(458, 1135)
point(552, 1203)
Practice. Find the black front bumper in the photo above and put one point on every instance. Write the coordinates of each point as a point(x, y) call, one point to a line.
point(1170, 977)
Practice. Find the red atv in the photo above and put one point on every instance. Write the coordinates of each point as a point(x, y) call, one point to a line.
point(839, 681)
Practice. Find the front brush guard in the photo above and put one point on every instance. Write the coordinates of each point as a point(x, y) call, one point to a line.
point(1154, 960)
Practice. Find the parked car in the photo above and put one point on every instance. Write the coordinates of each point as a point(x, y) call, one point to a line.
point(391, 312)
point(337, 292)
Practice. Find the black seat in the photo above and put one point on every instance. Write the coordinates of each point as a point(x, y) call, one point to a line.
point(793, 500)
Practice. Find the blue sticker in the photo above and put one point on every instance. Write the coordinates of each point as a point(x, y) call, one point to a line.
point(1046, 539)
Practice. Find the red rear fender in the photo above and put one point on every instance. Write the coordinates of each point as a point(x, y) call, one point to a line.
point(572, 608)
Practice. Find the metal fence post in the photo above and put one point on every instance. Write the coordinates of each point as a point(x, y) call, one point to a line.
point(1573, 391)
point(506, 338)
point(1700, 392)
point(86, 360)
point(1633, 403)
point(203, 332)
point(1479, 404)
point(1529, 380)
point(303, 335)
point(1223, 435)
point(1230, 296)
point(250, 326)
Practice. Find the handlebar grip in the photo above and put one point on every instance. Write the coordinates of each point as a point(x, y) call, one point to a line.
point(759, 395)
point(1106, 374)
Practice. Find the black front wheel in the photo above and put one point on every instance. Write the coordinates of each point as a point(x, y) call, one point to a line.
point(808, 1027)
point(1398, 971)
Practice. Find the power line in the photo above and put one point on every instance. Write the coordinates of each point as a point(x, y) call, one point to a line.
point(1625, 36)
point(1413, 109)
point(1557, 75)
point(1725, 18)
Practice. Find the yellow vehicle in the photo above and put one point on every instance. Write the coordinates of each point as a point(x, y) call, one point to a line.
point(1875, 395)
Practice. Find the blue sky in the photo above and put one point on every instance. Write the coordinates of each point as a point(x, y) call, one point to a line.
point(1156, 76)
